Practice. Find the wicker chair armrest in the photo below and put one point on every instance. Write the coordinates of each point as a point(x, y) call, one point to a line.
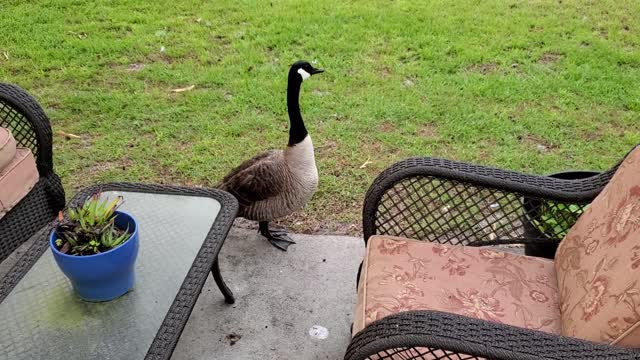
point(438, 335)
point(20, 112)
point(458, 203)
point(30, 126)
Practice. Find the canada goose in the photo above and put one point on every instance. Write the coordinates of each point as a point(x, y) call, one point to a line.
point(278, 182)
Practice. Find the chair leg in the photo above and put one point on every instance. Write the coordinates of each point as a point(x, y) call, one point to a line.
point(228, 295)
point(358, 276)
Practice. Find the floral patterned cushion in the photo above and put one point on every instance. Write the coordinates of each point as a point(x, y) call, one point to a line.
point(598, 264)
point(401, 275)
point(17, 179)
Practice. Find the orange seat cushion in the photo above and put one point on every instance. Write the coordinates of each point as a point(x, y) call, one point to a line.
point(401, 274)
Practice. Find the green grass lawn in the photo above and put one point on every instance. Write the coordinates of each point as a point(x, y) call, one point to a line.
point(536, 86)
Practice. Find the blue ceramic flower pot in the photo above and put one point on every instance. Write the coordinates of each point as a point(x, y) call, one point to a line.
point(104, 276)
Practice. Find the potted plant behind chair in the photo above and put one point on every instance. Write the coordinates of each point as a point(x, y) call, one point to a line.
point(96, 246)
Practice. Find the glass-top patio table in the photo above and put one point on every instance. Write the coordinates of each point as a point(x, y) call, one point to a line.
point(181, 233)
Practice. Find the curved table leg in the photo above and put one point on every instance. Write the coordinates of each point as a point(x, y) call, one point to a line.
point(228, 295)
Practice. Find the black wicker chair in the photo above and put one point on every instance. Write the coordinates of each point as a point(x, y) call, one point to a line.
point(438, 335)
point(21, 113)
point(456, 203)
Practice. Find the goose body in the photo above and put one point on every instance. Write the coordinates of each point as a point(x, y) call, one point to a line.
point(277, 183)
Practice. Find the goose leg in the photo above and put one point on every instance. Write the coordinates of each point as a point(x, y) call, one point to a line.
point(277, 238)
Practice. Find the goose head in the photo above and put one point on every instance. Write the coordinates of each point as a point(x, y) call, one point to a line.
point(302, 70)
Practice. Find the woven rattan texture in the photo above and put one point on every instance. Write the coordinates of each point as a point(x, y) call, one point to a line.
point(29, 125)
point(28, 216)
point(457, 203)
point(438, 335)
point(169, 333)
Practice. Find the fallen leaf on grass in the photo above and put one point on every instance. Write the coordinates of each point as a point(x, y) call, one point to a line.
point(188, 88)
point(68, 135)
point(81, 35)
point(135, 67)
point(365, 164)
point(5, 54)
point(408, 82)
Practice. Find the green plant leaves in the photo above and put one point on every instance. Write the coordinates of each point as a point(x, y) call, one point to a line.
point(90, 228)
point(557, 218)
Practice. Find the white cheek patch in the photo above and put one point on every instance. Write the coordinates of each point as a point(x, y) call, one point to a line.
point(305, 75)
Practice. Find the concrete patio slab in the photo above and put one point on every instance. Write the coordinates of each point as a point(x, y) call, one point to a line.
point(280, 297)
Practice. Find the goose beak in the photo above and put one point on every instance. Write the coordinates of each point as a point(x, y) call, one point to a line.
point(316, 71)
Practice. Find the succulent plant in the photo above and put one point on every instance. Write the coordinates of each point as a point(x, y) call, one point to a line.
point(90, 229)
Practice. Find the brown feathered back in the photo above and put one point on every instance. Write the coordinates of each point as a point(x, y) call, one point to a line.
point(250, 182)
point(274, 183)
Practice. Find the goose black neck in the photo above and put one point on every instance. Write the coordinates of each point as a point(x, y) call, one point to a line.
point(297, 131)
